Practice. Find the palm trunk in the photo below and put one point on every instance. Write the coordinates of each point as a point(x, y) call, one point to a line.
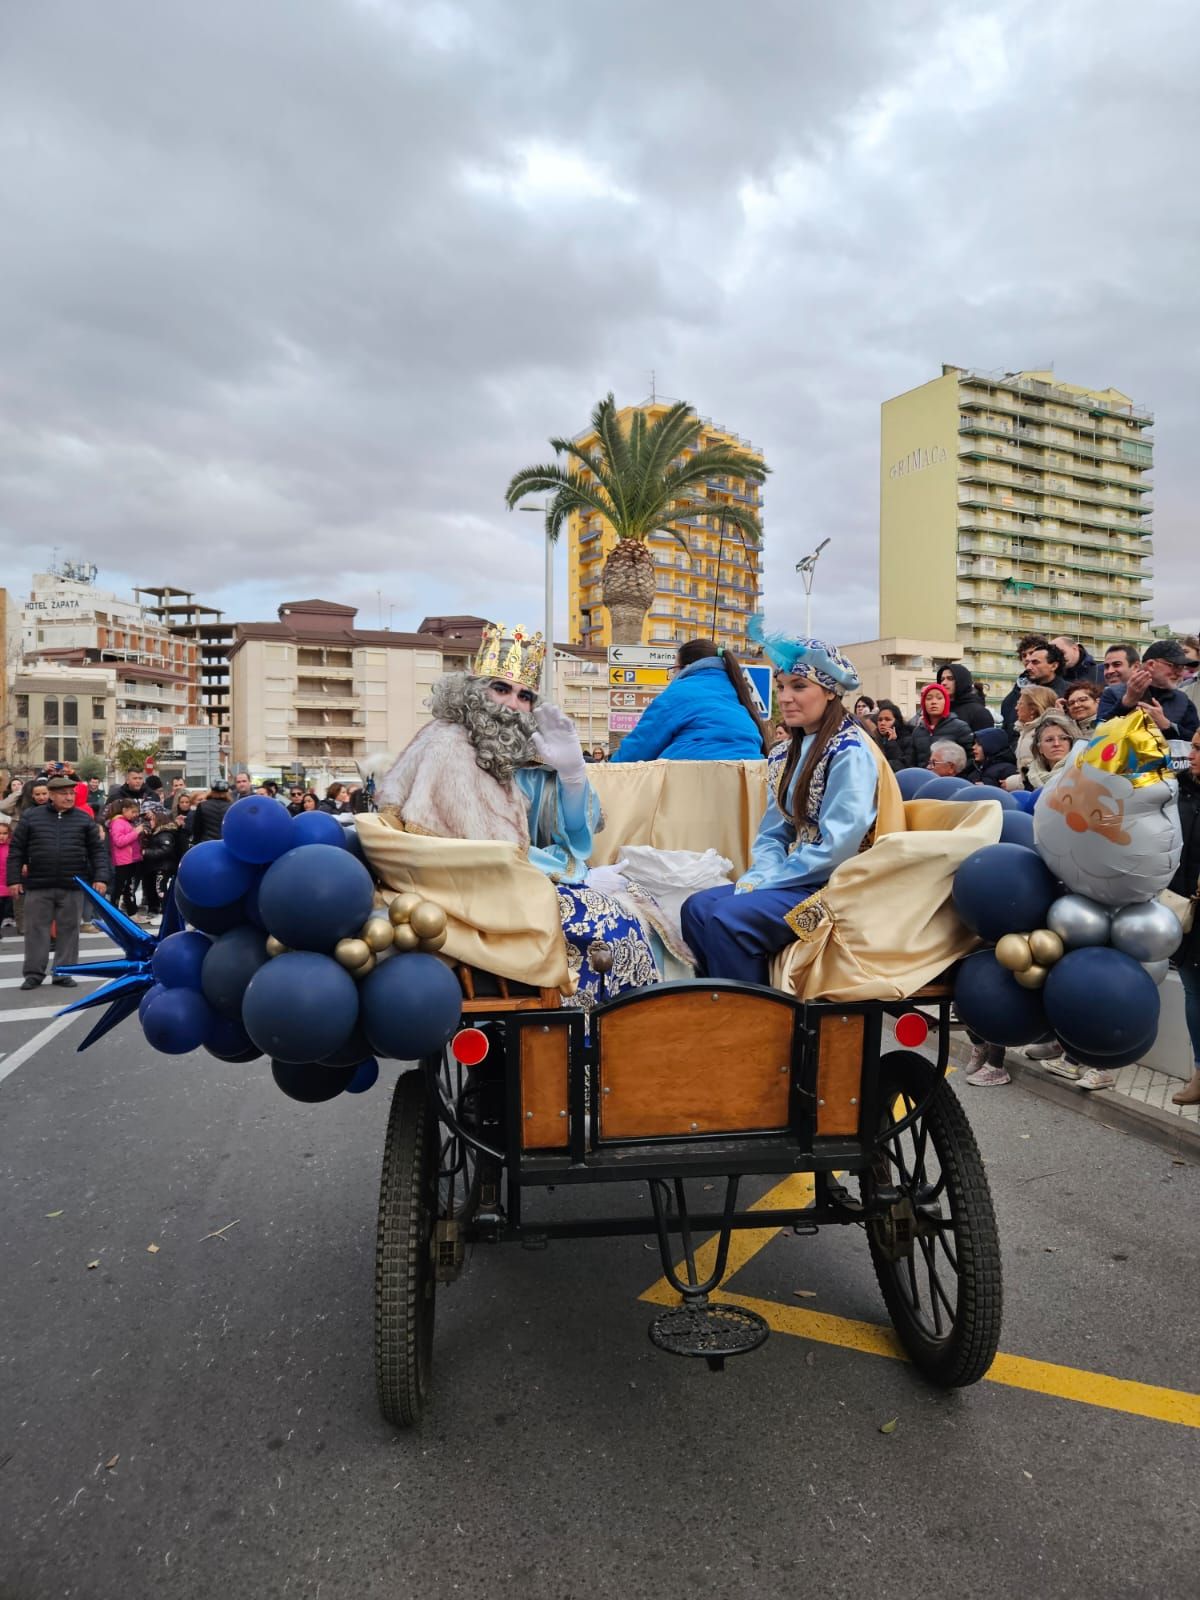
point(629, 584)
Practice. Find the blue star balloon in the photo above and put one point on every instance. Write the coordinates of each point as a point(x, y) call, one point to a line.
point(131, 975)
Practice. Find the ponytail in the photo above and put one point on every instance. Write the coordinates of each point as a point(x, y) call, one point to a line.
point(699, 650)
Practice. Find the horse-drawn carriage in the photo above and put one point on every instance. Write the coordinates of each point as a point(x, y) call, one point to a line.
point(701, 1080)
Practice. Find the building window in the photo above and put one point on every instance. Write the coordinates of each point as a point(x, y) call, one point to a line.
point(70, 711)
point(22, 705)
point(70, 749)
point(97, 742)
point(51, 749)
point(50, 711)
point(97, 710)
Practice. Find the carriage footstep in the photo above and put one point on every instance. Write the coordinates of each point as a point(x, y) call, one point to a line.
point(698, 1328)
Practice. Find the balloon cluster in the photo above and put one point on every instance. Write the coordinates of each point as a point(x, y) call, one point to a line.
point(288, 956)
point(1016, 826)
point(1061, 964)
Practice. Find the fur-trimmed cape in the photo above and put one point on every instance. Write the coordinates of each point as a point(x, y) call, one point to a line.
point(438, 787)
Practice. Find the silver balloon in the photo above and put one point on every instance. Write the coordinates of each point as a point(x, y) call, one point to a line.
point(1157, 970)
point(1079, 921)
point(1149, 932)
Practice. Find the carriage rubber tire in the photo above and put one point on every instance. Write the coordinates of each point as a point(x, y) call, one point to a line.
point(966, 1355)
point(405, 1287)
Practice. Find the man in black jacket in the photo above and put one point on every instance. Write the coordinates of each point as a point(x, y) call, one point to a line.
point(1078, 665)
point(55, 844)
point(1153, 685)
point(1043, 665)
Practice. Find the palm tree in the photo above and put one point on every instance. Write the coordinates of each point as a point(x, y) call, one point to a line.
point(647, 479)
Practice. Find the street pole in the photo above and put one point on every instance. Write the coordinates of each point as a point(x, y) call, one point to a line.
point(807, 568)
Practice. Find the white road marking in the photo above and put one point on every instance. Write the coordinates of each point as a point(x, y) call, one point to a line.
point(32, 1046)
point(35, 1013)
point(15, 983)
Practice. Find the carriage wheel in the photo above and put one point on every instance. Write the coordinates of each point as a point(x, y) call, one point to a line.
point(935, 1249)
point(460, 1178)
point(404, 1282)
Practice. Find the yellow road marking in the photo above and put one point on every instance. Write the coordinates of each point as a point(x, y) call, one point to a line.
point(869, 1338)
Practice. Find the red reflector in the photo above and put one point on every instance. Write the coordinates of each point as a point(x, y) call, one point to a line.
point(911, 1030)
point(469, 1046)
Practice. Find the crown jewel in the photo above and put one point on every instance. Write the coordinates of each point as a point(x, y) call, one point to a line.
point(514, 654)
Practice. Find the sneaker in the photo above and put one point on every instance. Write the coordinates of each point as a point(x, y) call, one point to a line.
point(1043, 1052)
point(1097, 1078)
point(989, 1078)
point(1063, 1067)
point(977, 1058)
point(32, 983)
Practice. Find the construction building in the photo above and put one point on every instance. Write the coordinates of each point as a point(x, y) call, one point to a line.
point(1013, 503)
point(179, 610)
point(711, 592)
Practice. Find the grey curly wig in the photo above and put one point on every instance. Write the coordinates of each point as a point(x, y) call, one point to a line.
point(503, 739)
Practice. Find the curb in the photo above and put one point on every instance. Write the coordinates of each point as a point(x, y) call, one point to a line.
point(1105, 1106)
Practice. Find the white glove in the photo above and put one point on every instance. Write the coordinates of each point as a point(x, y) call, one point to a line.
point(607, 880)
point(557, 745)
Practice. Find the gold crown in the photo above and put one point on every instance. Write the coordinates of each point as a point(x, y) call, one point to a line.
point(513, 654)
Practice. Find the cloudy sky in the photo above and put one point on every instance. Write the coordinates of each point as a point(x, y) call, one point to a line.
point(291, 287)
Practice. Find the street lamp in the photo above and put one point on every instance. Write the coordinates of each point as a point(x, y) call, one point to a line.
point(808, 571)
point(548, 663)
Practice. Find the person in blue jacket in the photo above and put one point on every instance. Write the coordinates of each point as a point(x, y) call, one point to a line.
point(823, 803)
point(706, 714)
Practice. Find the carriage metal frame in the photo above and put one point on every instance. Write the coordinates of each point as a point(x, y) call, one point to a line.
point(631, 1093)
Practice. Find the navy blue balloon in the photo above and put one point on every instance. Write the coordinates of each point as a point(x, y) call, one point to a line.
point(250, 911)
point(178, 1021)
point(209, 919)
point(309, 1082)
point(911, 780)
point(990, 1001)
point(353, 843)
point(1017, 828)
point(300, 1006)
point(229, 1041)
point(231, 961)
point(314, 896)
point(1102, 1004)
point(211, 875)
point(986, 791)
point(151, 994)
point(1003, 888)
point(317, 827)
point(257, 829)
point(356, 1048)
point(1026, 799)
point(411, 1006)
point(366, 1076)
point(947, 789)
point(178, 958)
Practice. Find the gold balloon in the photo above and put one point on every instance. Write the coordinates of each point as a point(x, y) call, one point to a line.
point(377, 931)
point(1014, 953)
point(401, 907)
point(427, 920)
point(1046, 947)
point(351, 952)
point(367, 966)
point(404, 938)
point(274, 948)
point(1031, 978)
point(434, 942)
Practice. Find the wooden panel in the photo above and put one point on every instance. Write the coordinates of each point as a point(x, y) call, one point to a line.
point(839, 1073)
point(705, 1061)
point(544, 1088)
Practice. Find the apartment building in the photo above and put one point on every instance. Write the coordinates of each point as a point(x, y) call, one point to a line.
point(61, 713)
point(185, 617)
point(711, 592)
point(1013, 503)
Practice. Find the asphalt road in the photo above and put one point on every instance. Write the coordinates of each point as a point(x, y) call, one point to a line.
point(200, 1419)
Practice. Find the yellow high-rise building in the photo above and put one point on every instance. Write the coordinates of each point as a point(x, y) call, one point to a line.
point(1010, 504)
point(720, 578)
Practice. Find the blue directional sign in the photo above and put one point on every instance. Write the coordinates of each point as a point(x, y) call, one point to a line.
point(759, 679)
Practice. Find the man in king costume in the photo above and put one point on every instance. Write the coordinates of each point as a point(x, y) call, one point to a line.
point(494, 764)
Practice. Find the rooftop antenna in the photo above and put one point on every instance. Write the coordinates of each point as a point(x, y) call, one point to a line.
point(653, 390)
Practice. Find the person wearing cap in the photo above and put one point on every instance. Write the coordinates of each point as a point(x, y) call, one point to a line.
point(1153, 685)
point(52, 846)
point(209, 815)
point(823, 803)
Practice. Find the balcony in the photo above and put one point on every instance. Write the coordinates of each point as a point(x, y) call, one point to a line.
point(305, 727)
point(312, 700)
point(1038, 389)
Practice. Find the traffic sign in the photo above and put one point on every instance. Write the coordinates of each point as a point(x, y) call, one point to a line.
point(641, 655)
point(631, 677)
point(759, 680)
point(622, 721)
point(631, 699)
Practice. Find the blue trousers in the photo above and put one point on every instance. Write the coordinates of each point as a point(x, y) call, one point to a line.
point(735, 935)
point(1189, 976)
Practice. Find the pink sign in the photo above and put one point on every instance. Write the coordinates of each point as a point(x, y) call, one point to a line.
point(622, 721)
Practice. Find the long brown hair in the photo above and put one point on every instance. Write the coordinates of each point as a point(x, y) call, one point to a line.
point(829, 724)
point(697, 650)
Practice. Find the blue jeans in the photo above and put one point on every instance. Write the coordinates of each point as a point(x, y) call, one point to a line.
point(1189, 976)
point(735, 935)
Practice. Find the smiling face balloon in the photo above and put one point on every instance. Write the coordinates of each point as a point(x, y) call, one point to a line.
point(1107, 822)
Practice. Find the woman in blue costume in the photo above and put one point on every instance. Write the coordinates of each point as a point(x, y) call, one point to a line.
point(823, 803)
point(493, 764)
point(705, 715)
